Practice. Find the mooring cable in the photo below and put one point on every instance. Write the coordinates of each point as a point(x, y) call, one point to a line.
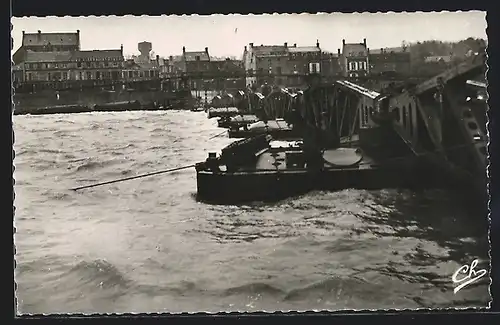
point(217, 135)
point(133, 177)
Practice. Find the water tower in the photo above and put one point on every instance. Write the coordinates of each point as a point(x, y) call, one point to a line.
point(145, 48)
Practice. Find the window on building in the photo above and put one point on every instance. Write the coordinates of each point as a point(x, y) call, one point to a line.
point(314, 67)
point(64, 75)
point(81, 75)
point(197, 58)
point(131, 74)
point(278, 70)
point(89, 75)
point(28, 76)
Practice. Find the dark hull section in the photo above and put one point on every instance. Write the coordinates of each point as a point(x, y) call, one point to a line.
point(231, 188)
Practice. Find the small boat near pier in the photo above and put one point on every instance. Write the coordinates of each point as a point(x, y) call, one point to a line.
point(278, 129)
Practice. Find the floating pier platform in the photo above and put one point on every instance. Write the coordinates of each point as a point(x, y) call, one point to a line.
point(260, 169)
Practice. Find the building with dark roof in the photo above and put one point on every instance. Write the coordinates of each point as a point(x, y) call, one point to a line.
point(49, 67)
point(47, 42)
point(354, 60)
point(98, 64)
point(195, 61)
point(230, 70)
point(330, 65)
point(138, 70)
point(45, 58)
point(303, 61)
point(263, 61)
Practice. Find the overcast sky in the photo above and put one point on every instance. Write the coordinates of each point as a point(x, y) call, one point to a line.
point(227, 35)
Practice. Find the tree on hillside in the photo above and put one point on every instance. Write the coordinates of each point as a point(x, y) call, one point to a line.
point(455, 51)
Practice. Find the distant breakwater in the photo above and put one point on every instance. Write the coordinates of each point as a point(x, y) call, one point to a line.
point(77, 101)
point(109, 107)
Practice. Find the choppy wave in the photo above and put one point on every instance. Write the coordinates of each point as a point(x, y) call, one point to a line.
point(147, 245)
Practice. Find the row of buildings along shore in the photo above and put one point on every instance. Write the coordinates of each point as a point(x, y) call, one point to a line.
point(54, 59)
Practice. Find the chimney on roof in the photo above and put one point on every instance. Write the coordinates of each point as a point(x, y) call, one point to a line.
point(157, 59)
point(343, 42)
point(286, 44)
point(39, 34)
point(206, 50)
point(364, 42)
point(317, 43)
point(78, 31)
point(294, 44)
point(24, 32)
point(251, 44)
point(381, 50)
point(338, 51)
point(245, 48)
point(183, 49)
point(170, 58)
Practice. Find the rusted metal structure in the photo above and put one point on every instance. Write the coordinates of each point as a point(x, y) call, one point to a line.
point(432, 124)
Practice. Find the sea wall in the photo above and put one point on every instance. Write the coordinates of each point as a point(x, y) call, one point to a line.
point(91, 97)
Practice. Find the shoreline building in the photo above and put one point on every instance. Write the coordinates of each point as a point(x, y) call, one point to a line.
point(196, 64)
point(283, 65)
point(263, 62)
point(47, 43)
point(354, 59)
point(55, 60)
point(303, 61)
point(142, 67)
